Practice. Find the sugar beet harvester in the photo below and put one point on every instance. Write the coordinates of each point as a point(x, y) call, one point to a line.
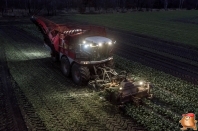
point(85, 53)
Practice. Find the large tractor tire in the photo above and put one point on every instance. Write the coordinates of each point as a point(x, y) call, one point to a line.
point(80, 74)
point(65, 66)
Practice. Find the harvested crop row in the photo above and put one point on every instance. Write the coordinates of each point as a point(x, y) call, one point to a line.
point(33, 121)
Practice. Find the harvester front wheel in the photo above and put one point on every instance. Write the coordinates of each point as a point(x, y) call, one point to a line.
point(80, 74)
point(65, 66)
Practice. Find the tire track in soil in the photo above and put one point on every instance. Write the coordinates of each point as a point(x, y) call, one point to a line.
point(114, 119)
point(28, 111)
point(10, 115)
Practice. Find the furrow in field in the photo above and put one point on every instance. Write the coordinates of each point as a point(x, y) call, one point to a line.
point(11, 118)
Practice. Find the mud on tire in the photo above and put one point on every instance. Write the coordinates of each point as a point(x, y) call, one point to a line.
point(80, 74)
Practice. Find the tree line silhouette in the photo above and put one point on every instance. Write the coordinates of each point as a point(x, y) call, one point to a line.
point(51, 6)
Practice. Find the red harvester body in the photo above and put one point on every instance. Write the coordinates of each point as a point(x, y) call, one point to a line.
point(85, 52)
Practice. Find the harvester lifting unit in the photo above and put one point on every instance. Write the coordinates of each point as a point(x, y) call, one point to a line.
point(85, 53)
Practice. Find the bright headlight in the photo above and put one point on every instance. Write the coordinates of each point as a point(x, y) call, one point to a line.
point(141, 82)
point(120, 88)
point(86, 45)
point(100, 44)
point(84, 41)
point(109, 43)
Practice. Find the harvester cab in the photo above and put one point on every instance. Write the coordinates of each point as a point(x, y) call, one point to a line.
point(97, 47)
point(85, 53)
